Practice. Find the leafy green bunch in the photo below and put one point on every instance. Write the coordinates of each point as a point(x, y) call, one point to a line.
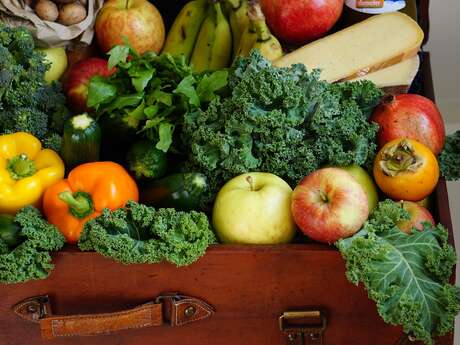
point(280, 120)
point(407, 275)
point(31, 258)
point(149, 94)
point(142, 234)
point(27, 102)
point(449, 159)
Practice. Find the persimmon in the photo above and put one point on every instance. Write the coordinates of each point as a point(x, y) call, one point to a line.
point(405, 169)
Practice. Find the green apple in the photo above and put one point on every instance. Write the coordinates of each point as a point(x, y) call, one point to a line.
point(366, 182)
point(58, 59)
point(254, 208)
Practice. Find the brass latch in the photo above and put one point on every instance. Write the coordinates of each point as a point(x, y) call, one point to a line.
point(303, 327)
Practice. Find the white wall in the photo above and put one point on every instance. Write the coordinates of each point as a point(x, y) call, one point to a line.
point(444, 46)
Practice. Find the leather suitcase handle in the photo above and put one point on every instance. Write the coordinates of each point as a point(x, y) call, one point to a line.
point(172, 308)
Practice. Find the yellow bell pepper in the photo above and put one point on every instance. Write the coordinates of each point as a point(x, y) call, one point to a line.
point(26, 170)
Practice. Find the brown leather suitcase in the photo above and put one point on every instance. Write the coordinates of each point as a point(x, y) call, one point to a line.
point(235, 295)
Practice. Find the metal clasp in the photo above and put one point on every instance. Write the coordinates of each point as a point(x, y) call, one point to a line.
point(303, 327)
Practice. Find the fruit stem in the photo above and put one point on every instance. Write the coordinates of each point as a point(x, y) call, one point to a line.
point(323, 197)
point(126, 4)
point(236, 4)
point(80, 203)
point(399, 158)
point(251, 182)
point(388, 99)
point(20, 167)
point(257, 22)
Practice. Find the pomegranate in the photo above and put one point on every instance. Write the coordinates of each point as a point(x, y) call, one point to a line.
point(410, 116)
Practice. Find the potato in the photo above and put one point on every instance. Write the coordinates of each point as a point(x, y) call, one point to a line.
point(70, 14)
point(46, 10)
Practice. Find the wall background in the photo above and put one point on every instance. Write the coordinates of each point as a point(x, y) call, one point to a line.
point(444, 46)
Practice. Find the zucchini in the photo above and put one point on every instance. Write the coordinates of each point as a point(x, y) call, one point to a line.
point(10, 231)
point(179, 191)
point(81, 141)
point(145, 161)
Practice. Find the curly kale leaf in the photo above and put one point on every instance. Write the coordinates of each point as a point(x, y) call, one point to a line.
point(30, 259)
point(449, 158)
point(142, 234)
point(406, 275)
point(280, 120)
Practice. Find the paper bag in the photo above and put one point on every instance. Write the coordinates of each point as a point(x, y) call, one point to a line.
point(50, 34)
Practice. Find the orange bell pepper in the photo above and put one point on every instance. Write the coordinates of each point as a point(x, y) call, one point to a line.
point(89, 189)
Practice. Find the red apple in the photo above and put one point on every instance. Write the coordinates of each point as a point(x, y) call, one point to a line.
point(329, 204)
point(78, 79)
point(418, 214)
point(137, 20)
point(410, 116)
point(300, 21)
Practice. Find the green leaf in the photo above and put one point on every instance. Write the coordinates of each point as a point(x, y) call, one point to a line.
point(126, 42)
point(165, 132)
point(187, 88)
point(209, 84)
point(151, 111)
point(100, 91)
point(118, 54)
point(138, 113)
point(126, 101)
point(161, 97)
point(450, 157)
point(140, 78)
point(406, 275)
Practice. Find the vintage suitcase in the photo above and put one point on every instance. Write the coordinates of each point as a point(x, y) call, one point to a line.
point(254, 295)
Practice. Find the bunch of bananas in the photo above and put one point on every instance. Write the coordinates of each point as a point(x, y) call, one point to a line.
point(212, 33)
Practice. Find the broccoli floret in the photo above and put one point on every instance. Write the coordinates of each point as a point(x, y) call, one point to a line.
point(142, 234)
point(53, 142)
point(30, 259)
point(30, 120)
point(22, 45)
point(27, 102)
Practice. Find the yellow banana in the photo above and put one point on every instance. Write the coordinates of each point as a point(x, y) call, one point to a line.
point(264, 41)
point(213, 48)
point(239, 21)
point(249, 35)
point(184, 32)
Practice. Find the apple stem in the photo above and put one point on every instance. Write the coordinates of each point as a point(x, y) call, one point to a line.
point(323, 196)
point(126, 4)
point(251, 182)
point(388, 99)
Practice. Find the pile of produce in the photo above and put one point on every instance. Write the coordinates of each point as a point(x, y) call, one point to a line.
point(283, 121)
point(208, 134)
